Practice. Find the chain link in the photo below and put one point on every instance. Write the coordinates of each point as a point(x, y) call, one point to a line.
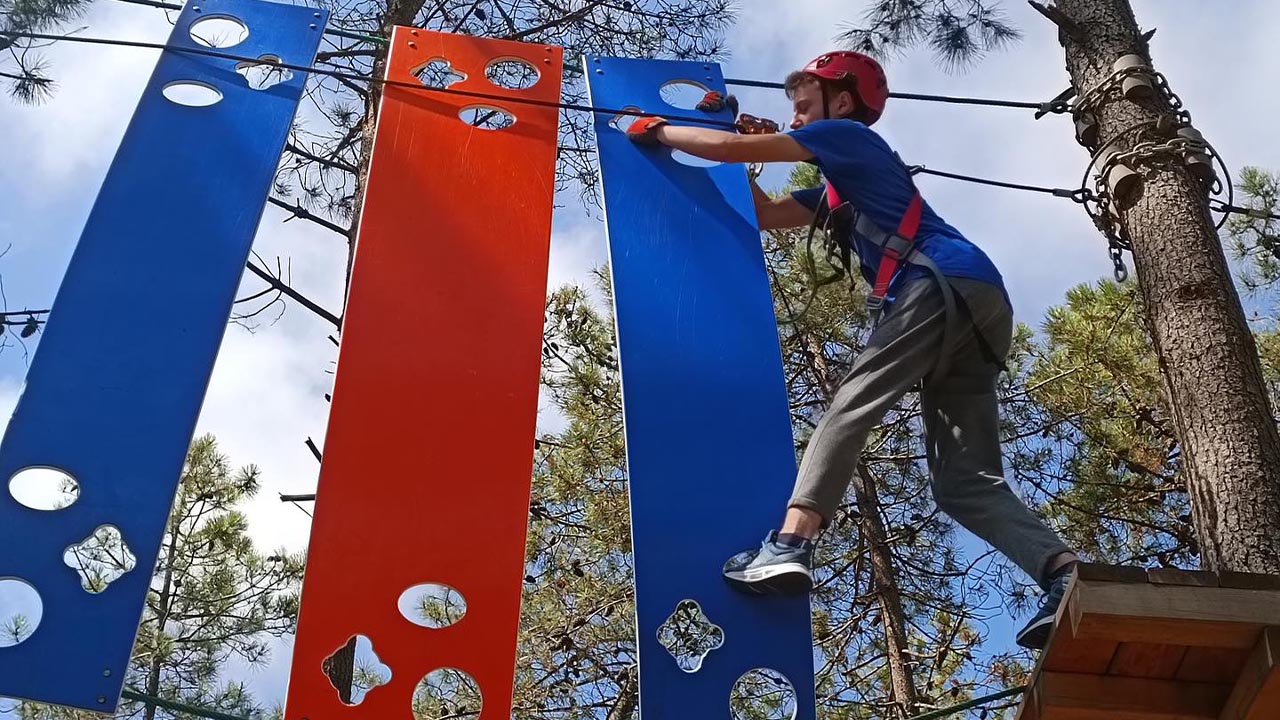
point(1117, 261)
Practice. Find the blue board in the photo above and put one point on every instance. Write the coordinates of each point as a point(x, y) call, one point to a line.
point(710, 454)
point(117, 381)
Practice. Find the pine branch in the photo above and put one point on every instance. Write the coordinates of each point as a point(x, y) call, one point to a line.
point(1059, 18)
point(297, 296)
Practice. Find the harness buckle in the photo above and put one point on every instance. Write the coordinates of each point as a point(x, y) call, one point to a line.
point(875, 303)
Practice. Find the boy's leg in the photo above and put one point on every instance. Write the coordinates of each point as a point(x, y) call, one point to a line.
point(962, 429)
point(902, 350)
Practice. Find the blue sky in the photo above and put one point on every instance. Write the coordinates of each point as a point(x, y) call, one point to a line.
point(266, 394)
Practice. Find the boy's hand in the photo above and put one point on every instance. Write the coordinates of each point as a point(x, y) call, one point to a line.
point(714, 102)
point(644, 131)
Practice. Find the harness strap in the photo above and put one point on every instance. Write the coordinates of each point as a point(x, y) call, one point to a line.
point(898, 248)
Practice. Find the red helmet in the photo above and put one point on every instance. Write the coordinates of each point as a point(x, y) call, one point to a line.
point(868, 77)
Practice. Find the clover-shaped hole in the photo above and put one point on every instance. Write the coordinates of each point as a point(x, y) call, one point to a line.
point(689, 635)
point(438, 73)
point(20, 611)
point(447, 694)
point(264, 74)
point(762, 694)
point(219, 31)
point(44, 488)
point(512, 73)
point(683, 94)
point(432, 605)
point(100, 559)
point(486, 117)
point(354, 669)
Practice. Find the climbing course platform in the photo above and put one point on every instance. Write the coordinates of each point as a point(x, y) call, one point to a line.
point(1163, 644)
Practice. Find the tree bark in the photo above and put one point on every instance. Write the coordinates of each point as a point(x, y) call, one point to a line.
point(884, 579)
point(1206, 351)
point(884, 576)
point(399, 12)
point(628, 696)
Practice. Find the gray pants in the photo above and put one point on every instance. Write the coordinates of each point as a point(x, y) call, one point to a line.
point(960, 413)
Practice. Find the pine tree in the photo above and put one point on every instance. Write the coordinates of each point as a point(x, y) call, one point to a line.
point(21, 63)
point(213, 597)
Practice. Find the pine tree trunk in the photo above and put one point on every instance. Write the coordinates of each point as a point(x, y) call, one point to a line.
point(1207, 354)
point(884, 579)
point(884, 575)
point(624, 707)
point(399, 12)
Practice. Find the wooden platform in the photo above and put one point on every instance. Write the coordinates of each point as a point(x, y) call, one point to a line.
point(1137, 644)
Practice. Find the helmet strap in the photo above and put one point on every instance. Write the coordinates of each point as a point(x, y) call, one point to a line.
point(826, 101)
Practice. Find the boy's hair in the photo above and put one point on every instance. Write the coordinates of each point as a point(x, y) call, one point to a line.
point(833, 88)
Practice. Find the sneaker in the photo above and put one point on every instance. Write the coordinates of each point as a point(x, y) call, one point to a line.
point(1036, 633)
point(774, 569)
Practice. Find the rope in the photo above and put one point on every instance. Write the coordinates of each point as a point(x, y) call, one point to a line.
point(947, 711)
point(1054, 106)
point(336, 31)
point(178, 707)
point(352, 76)
point(1047, 107)
point(1079, 195)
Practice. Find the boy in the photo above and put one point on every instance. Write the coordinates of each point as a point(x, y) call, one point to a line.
point(944, 322)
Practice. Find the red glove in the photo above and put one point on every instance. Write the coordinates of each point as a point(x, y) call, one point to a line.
point(644, 130)
point(714, 102)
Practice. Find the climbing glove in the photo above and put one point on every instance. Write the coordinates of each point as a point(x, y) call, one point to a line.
point(714, 102)
point(643, 130)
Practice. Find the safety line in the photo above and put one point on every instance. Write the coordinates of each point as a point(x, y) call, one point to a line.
point(334, 30)
point(952, 710)
point(1047, 107)
point(351, 76)
point(1054, 106)
point(1080, 195)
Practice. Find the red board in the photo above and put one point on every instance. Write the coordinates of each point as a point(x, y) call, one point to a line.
point(429, 452)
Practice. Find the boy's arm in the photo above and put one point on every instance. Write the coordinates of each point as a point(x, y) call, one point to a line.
point(780, 212)
point(721, 146)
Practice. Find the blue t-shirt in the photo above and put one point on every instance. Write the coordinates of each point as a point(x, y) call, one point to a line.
point(867, 174)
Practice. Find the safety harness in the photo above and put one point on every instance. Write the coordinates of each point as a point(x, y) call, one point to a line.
point(897, 249)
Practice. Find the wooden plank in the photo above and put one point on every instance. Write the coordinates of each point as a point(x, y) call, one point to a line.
point(1029, 708)
point(1256, 695)
point(1074, 696)
point(1249, 581)
point(1194, 616)
point(1192, 633)
point(1147, 660)
point(1064, 653)
point(1207, 664)
point(1111, 573)
point(1069, 654)
point(1174, 576)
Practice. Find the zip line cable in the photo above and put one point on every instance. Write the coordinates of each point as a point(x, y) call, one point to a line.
point(1082, 195)
point(1056, 106)
point(335, 30)
point(1079, 195)
point(361, 78)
